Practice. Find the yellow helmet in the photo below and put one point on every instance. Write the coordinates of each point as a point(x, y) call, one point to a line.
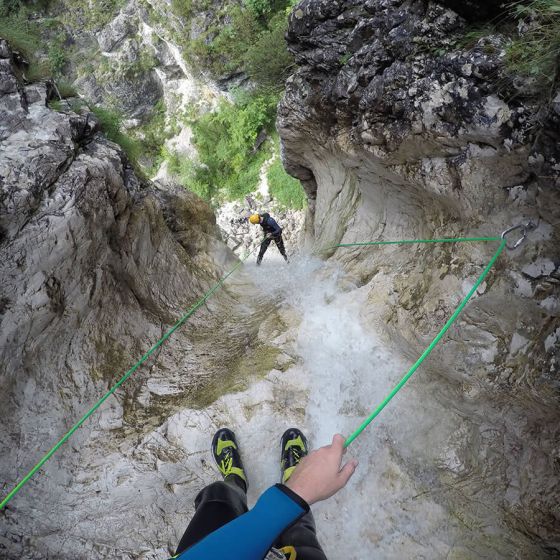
point(255, 219)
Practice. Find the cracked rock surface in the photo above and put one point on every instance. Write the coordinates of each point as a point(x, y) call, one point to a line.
point(398, 132)
point(95, 265)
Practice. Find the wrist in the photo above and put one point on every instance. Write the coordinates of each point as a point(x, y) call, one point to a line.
point(301, 491)
point(294, 496)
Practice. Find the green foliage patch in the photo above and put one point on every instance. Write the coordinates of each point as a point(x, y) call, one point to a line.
point(91, 15)
point(229, 160)
point(267, 60)
point(284, 189)
point(66, 89)
point(182, 8)
point(536, 51)
point(152, 136)
point(250, 37)
point(57, 58)
point(24, 33)
point(145, 62)
point(16, 28)
point(110, 122)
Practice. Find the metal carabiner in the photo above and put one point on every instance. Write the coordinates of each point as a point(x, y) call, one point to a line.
point(525, 228)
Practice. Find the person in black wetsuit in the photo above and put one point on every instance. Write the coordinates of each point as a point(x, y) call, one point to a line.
point(273, 232)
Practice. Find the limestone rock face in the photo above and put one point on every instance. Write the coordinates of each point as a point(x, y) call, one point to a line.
point(95, 266)
point(397, 132)
point(132, 61)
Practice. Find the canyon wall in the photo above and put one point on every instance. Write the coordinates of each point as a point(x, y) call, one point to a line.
point(399, 130)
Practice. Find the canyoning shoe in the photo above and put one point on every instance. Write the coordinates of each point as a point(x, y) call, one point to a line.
point(294, 449)
point(226, 454)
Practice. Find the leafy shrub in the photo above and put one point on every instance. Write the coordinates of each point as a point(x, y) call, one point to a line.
point(223, 49)
point(258, 7)
point(284, 189)
point(186, 172)
point(57, 59)
point(229, 161)
point(267, 60)
point(182, 8)
point(225, 140)
point(152, 136)
point(252, 41)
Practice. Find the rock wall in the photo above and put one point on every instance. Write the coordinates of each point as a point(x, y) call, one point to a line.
point(129, 59)
point(397, 132)
point(95, 266)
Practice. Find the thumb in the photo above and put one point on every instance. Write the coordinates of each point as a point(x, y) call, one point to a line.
point(347, 471)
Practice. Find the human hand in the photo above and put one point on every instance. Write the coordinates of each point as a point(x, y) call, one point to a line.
point(319, 475)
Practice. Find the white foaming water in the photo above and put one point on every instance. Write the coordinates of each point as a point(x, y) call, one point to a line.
point(393, 506)
point(348, 370)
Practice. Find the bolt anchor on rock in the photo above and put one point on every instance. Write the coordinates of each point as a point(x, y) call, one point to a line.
point(524, 230)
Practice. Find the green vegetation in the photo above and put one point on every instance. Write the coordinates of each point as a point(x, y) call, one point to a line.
point(533, 27)
point(57, 58)
point(185, 172)
point(258, 7)
point(143, 145)
point(111, 124)
point(66, 89)
point(152, 136)
point(536, 52)
point(229, 163)
point(182, 8)
point(145, 62)
point(55, 105)
point(248, 37)
point(284, 189)
point(16, 28)
point(91, 16)
point(268, 61)
point(24, 35)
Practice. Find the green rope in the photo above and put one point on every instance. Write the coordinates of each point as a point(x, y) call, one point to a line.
point(432, 345)
point(205, 298)
point(178, 324)
point(409, 241)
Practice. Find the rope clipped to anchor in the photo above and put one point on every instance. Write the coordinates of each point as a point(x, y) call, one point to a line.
point(504, 243)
